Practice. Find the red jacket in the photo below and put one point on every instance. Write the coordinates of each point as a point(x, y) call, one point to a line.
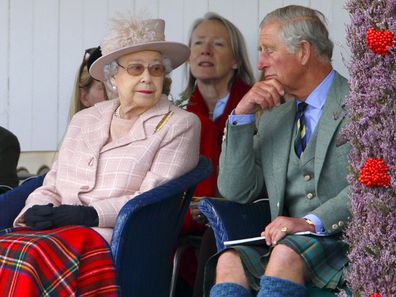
point(211, 139)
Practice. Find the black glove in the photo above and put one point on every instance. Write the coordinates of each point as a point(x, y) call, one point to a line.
point(41, 217)
point(74, 215)
point(38, 217)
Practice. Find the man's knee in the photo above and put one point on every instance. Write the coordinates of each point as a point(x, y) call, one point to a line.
point(229, 269)
point(285, 256)
point(285, 263)
point(227, 261)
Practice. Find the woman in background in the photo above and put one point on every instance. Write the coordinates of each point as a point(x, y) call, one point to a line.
point(219, 76)
point(88, 91)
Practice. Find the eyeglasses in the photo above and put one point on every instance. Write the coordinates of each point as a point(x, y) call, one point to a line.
point(137, 69)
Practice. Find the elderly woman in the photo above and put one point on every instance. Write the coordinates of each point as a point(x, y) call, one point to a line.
point(119, 148)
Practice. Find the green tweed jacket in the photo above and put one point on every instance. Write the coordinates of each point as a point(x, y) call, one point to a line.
point(254, 164)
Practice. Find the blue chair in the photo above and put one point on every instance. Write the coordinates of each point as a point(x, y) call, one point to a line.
point(145, 232)
point(231, 221)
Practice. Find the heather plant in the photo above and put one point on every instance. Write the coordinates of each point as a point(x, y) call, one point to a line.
point(372, 135)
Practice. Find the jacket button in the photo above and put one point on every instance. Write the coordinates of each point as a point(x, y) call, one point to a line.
point(310, 196)
point(341, 223)
point(334, 226)
point(307, 177)
point(277, 205)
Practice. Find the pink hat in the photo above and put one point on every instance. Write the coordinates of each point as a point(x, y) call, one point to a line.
point(130, 36)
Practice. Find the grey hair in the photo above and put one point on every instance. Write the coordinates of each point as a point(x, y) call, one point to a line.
point(300, 23)
point(238, 46)
point(111, 69)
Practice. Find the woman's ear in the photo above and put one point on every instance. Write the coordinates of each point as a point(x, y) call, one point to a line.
point(83, 98)
point(112, 81)
point(235, 64)
point(305, 52)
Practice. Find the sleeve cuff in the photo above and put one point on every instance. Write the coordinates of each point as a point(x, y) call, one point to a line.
point(318, 223)
point(241, 119)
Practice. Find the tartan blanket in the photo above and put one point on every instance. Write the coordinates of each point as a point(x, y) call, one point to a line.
point(67, 261)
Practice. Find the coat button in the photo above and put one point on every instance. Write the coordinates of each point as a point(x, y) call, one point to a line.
point(307, 177)
point(334, 226)
point(341, 223)
point(310, 196)
point(277, 205)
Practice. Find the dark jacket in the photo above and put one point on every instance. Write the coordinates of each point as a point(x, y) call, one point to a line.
point(9, 156)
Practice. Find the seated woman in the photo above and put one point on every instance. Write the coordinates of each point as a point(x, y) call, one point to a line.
point(118, 148)
point(219, 75)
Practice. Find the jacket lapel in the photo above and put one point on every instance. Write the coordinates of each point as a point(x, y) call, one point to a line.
point(332, 115)
point(97, 131)
point(281, 139)
point(143, 127)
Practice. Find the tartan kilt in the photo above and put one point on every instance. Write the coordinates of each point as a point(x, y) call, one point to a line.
point(325, 259)
point(67, 261)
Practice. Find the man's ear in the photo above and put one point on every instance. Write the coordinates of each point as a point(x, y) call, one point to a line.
point(305, 52)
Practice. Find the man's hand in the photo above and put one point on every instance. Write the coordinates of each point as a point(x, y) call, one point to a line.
point(263, 95)
point(282, 226)
point(196, 213)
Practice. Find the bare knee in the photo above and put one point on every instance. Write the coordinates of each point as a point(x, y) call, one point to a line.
point(285, 263)
point(229, 269)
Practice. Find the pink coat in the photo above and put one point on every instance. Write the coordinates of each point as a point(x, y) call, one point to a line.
point(105, 176)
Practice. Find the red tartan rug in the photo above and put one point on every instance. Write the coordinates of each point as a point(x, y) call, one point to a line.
point(67, 261)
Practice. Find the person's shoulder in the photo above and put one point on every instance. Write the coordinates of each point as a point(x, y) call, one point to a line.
point(97, 110)
point(183, 115)
point(7, 135)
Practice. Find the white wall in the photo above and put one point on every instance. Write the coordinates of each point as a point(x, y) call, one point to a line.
point(42, 43)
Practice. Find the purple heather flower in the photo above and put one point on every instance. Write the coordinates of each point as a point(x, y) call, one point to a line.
point(371, 132)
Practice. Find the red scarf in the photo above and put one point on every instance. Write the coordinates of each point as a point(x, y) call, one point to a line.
point(211, 138)
point(198, 106)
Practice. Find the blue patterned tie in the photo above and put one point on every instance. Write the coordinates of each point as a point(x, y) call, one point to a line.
point(300, 140)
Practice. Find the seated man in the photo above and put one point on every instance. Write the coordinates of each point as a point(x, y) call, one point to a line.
point(294, 157)
point(9, 156)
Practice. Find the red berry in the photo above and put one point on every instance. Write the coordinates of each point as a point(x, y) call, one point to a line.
point(375, 173)
point(380, 42)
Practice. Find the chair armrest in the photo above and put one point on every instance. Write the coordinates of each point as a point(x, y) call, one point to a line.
point(146, 232)
point(12, 202)
point(231, 220)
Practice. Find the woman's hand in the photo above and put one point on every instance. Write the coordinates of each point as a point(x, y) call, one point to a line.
point(42, 217)
point(282, 226)
point(196, 212)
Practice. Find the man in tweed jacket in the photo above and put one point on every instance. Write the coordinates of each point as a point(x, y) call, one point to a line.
point(308, 191)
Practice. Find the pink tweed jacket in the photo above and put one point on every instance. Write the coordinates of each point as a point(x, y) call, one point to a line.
point(105, 176)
